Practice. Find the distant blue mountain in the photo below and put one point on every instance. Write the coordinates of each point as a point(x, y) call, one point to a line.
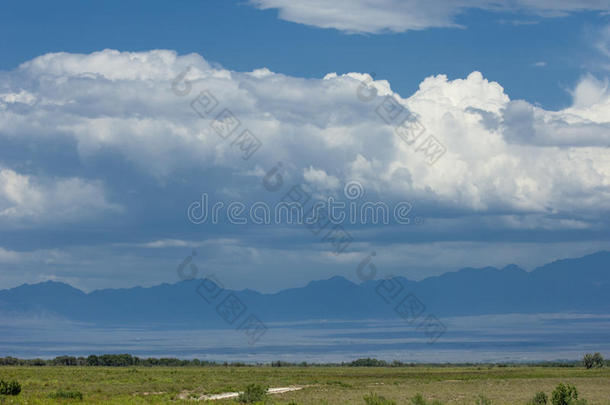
point(573, 285)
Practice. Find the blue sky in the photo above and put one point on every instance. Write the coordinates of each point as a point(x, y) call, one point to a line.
point(100, 160)
point(504, 46)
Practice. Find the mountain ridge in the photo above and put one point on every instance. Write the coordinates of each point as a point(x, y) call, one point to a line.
point(567, 285)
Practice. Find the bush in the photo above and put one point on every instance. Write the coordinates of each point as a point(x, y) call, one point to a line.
point(593, 360)
point(483, 400)
point(9, 387)
point(598, 360)
point(374, 399)
point(253, 393)
point(539, 399)
point(420, 400)
point(67, 394)
point(565, 395)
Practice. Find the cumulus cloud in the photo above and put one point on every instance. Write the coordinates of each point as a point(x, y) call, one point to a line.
point(375, 16)
point(585, 123)
point(26, 200)
point(501, 155)
point(320, 179)
point(104, 137)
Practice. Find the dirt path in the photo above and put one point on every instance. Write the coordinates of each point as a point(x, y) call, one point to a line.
point(226, 395)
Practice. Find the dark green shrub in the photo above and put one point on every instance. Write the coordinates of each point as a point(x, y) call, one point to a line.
point(67, 394)
point(483, 400)
point(253, 393)
point(374, 399)
point(9, 387)
point(539, 399)
point(564, 394)
point(420, 400)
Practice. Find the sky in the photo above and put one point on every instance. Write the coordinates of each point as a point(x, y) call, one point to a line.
point(110, 137)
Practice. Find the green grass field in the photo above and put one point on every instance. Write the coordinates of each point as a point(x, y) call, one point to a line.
point(331, 385)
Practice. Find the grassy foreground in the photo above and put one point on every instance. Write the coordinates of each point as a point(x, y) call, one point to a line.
point(331, 385)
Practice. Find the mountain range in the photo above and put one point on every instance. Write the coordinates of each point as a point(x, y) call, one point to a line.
point(580, 285)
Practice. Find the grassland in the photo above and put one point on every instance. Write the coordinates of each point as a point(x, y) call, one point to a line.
point(331, 385)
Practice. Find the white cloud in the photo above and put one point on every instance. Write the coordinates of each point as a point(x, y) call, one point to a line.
point(21, 97)
point(26, 199)
point(501, 154)
point(39, 257)
point(8, 256)
point(375, 16)
point(171, 243)
point(585, 123)
point(592, 99)
point(320, 179)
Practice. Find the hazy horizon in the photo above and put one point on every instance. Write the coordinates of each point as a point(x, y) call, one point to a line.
point(241, 160)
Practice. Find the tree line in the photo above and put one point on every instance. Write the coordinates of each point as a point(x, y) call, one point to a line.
point(127, 360)
point(105, 360)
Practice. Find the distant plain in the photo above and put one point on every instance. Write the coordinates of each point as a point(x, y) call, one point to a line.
point(331, 385)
